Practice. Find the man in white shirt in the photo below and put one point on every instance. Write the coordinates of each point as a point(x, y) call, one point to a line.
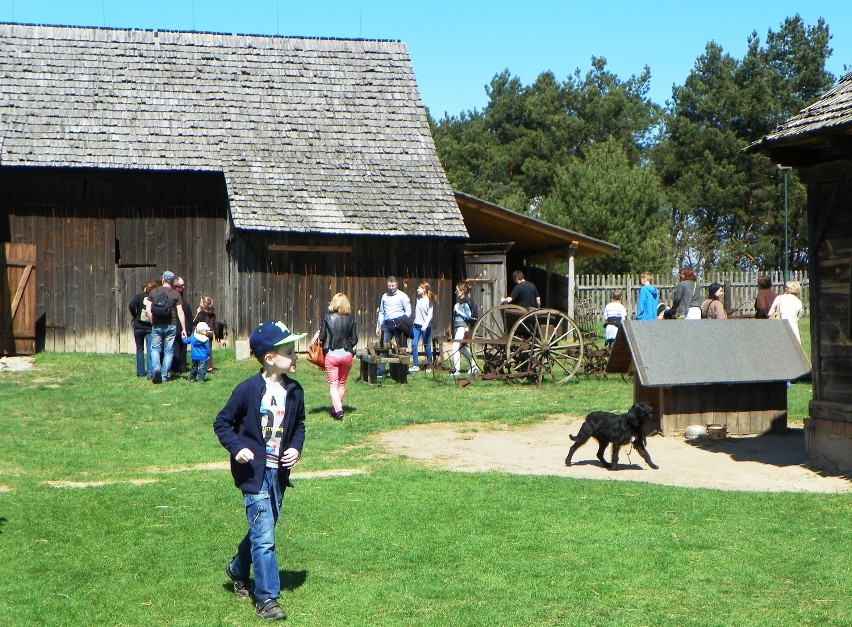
point(395, 306)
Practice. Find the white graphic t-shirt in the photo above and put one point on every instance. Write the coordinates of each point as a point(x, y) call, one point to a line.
point(272, 408)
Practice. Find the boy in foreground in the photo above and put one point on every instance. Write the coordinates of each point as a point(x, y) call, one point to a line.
point(263, 428)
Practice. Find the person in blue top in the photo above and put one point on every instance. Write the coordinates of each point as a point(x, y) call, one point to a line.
point(200, 353)
point(649, 299)
point(464, 316)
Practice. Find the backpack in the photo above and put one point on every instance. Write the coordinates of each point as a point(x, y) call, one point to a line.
point(161, 307)
point(474, 310)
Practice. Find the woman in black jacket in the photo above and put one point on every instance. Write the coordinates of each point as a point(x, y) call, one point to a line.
point(141, 328)
point(339, 337)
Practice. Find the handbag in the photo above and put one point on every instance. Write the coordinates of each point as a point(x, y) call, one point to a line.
point(315, 354)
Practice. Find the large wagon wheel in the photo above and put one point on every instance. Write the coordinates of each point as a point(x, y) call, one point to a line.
point(545, 343)
point(489, 335)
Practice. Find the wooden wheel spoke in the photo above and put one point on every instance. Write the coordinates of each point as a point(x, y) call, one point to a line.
point(555, 348)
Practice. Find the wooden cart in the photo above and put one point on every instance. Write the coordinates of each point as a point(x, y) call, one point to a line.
point(511, 343)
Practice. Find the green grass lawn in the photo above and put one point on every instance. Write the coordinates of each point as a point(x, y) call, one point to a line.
point(146, 543)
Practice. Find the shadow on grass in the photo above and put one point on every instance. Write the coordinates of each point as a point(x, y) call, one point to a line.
point(290, 580)
point(778, 449)
point(326, 409)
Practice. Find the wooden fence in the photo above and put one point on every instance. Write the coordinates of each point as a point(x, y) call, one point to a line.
point(740, 289)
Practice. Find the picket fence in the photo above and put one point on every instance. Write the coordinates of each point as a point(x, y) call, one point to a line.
point(594, 291)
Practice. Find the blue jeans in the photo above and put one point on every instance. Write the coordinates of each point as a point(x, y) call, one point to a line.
point(426, 334)
point(142, 335)
point(198, 371)
point(388, 333)
point(258, 547)
point(162, 339)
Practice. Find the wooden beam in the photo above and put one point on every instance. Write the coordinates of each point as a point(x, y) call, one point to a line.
point(294, 248)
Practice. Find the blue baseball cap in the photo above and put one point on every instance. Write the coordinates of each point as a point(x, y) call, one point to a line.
point(168, 276)
point(269, 335)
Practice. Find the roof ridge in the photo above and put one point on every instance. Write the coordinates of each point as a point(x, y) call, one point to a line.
point(133, 29)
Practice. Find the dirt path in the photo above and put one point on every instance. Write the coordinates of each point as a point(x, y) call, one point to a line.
point(770, 463)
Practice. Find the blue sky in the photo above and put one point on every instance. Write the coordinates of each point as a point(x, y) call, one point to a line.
point(458, 46)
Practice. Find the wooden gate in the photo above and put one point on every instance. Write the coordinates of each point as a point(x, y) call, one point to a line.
point(18, 299)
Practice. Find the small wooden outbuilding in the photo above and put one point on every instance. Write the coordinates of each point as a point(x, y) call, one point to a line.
point(818, 144)
point(729, 372)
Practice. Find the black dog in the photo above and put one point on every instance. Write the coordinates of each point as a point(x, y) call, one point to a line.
point(616, 429)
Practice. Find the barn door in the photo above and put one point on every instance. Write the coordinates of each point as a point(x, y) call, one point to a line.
point(18, 296)
point(485, 272)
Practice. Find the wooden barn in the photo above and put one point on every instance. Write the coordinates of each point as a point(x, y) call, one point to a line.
point(701, 372)
point(269, 172)
point(818, 144)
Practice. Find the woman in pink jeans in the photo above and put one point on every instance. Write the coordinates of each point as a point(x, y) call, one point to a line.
point(339, 337)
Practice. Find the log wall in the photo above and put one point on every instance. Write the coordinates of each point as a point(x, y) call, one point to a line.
point(829, 429)
point(100, 235)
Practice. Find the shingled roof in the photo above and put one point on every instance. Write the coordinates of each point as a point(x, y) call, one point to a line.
point(818, 133)
point(312, 135)
point(705, 352)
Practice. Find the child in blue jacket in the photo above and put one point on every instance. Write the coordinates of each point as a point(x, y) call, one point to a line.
point(199, 343)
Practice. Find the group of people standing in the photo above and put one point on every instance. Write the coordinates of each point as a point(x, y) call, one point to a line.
point(160, 316)
point(397, 321)
point(689, 303)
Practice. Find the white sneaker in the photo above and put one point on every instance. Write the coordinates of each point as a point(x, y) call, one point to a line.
point(455, 373)
point(473, 371)
point(414, 369)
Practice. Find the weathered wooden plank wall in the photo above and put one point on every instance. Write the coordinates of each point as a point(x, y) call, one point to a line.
point(746, 409)
point(101, 235)
point(831, 230)
point(296, 286)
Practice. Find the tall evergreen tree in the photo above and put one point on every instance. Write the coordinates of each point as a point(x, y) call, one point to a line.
point(727, 208)
point(606, 196)
point(510, 152)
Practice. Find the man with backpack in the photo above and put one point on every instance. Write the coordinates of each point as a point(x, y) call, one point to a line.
point(164, 310)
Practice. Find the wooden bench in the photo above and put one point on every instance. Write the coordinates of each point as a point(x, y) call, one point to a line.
point(397, 366)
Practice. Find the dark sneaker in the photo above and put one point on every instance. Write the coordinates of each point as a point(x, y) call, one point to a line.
point(338, 415)
point(157, 378)
point(269, 610)
point(241, 588)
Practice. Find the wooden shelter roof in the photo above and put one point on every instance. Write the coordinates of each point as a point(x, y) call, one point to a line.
point(818, 133)
point(668, 353)
point(535, 239)
point(312, 135)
